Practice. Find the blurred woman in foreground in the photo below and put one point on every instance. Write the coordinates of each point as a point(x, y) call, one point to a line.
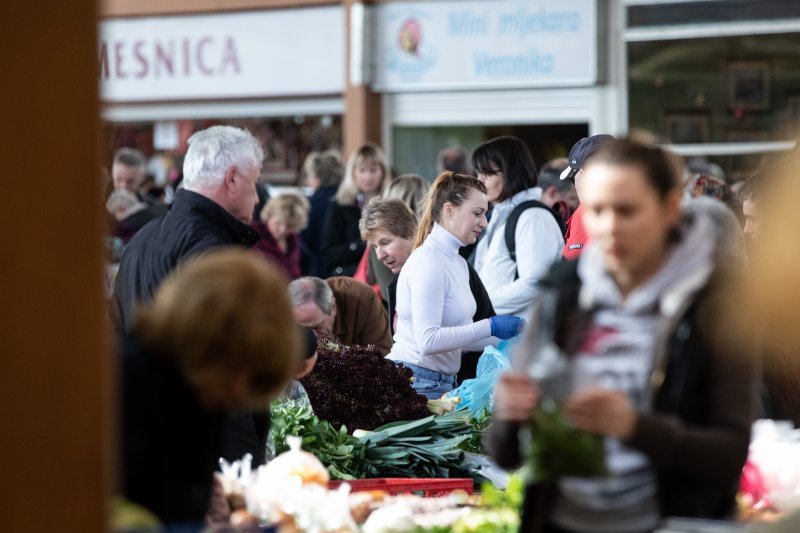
point(648, 370)
point(218, 336)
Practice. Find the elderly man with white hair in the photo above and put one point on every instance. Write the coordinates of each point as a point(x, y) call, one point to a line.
point(213, 210)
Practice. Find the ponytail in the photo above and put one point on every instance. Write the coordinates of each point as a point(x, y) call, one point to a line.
point(448, 187)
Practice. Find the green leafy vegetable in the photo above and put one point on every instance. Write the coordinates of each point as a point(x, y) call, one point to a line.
point(341, 453)
point(558, 449)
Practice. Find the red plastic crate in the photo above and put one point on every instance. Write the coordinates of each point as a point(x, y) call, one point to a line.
point(396, 485)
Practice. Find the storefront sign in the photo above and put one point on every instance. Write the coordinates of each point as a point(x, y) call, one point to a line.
point(269, 53)
point(470, 44)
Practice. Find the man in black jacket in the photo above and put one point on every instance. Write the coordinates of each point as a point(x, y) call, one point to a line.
point(214, 208)
point(221, 169)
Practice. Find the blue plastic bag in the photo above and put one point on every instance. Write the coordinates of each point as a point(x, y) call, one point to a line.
point(478, 393)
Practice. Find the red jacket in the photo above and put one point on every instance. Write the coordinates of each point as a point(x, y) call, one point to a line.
point(576, 237)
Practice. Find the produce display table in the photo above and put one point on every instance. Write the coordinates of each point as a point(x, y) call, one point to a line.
point(394, 486)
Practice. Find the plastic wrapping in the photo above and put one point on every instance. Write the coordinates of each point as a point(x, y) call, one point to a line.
point(478, 394)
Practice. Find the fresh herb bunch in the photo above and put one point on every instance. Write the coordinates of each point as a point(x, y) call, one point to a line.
point(357, 387)
point(339, 451)
point(558, 449)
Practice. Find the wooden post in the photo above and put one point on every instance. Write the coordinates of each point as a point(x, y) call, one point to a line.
point(54, 367)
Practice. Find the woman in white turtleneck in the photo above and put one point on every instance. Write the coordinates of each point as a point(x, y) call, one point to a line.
point(434, 302)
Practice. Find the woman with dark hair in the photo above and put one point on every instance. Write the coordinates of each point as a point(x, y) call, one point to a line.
point(648, 364)
point(435, 305)
point(505, 166)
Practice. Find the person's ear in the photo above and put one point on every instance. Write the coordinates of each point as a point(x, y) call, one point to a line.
point(230, 179)
point(447, 210)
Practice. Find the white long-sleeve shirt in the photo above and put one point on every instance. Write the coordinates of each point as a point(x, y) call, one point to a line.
point(435, 307)
point(539, 244)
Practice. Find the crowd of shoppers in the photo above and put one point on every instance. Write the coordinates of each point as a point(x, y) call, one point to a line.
point(614, 258)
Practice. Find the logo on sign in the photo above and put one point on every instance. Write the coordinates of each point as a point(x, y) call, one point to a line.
point(410, 56)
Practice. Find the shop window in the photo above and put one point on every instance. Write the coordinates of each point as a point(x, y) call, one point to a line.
point(286, 141)
point(716, 90)
point(415, 149)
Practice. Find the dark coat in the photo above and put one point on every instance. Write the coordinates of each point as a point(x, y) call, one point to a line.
point(341, 241)
point(194, 225)
point(169, 443)
point(698, 432)
point(313, 260)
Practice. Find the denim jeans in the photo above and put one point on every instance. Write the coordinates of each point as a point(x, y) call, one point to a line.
point(430, 383)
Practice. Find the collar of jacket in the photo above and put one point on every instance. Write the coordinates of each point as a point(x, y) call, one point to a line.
point(189, 203)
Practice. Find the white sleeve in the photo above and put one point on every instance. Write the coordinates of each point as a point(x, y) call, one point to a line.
point(428, 284)
point(539, 244)
point(481, 344)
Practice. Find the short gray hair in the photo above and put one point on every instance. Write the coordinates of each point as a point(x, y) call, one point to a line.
point(214, 150)
point(311, 289)
point(129, 157)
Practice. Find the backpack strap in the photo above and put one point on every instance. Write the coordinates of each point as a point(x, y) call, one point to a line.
point(513, 218)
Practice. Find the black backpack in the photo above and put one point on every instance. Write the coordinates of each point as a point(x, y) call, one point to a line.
point(511, 226)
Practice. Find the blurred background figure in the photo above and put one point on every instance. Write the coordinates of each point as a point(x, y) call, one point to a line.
point(454, 158)
point(728, 236)
point(769, 304)
point(524, 236)
point(557, 194)
point(751, 196)
point(411, 189)
point(127, 169)
point(130, 213)
point(365, 177)
point(710, 186)
point(324, 172)
point(278, 229)
point(576, 237)
point(217, 336)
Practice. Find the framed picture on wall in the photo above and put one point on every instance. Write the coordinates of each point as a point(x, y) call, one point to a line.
point(687, 128)
point(748, 85)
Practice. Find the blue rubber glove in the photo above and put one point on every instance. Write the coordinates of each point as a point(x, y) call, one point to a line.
point(506, 326)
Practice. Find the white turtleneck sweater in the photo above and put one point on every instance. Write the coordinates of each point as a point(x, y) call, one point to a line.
point(435, 307)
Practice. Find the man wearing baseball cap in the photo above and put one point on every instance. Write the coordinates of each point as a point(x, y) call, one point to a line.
point(576, 237)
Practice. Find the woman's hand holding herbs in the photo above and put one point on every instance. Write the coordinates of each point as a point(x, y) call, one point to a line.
point(515, 398)
point(602, 411)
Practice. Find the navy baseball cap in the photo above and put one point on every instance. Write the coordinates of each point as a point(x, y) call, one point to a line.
point(582, 151)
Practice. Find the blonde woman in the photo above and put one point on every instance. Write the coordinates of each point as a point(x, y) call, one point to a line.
point(366, 174)
point(281, 221)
